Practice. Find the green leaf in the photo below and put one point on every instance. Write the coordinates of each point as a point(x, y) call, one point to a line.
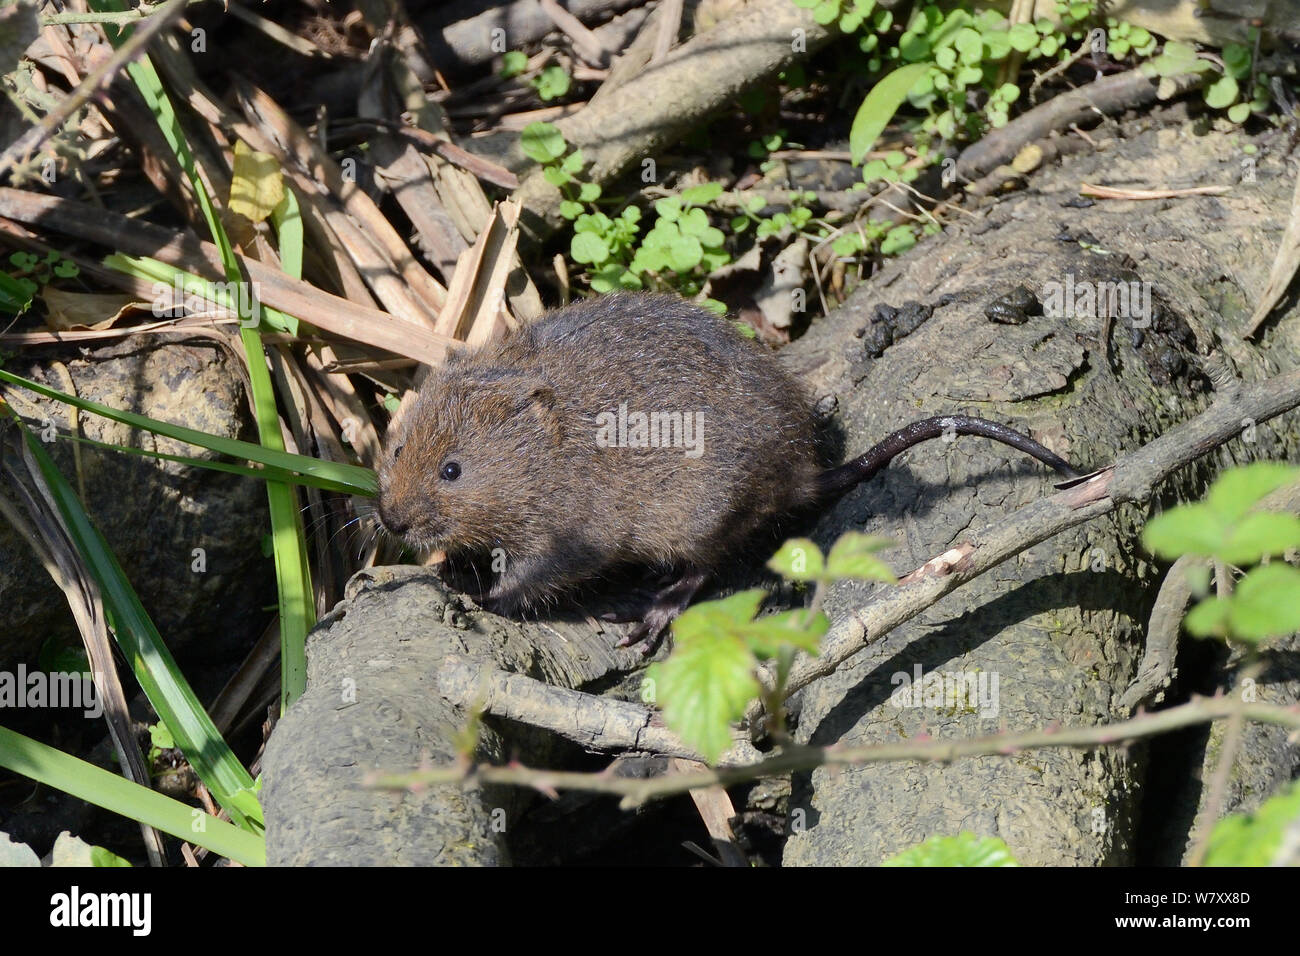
point(1022, 37)
point(969, 45)
point(708, 679)
point(693, 222)
point(1177, 59)
point(1259, 838)
point(1259, 535)
point(513, 62)
point(669, 208)
point(768, 636)
point(556, 176)
point(847, 244)
point(685, 254)
point(1210, 618)
point(1187, 529)
point(997, 45)
point(1239, 112)
point(587, 247)
point(799, 559)
point(915, 48)
point(1221, 93)
point(1265, 603)
point(542, 142)
point(1236, 58)
point(826, 11)
point(854, 556)
point(965, 849)
point(1239, 489)
point(702, 194)
point(552, 83)
point(15, 295)
point(897, 240)
point(879, 106)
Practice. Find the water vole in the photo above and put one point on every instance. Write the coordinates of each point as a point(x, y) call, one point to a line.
point(629, 429)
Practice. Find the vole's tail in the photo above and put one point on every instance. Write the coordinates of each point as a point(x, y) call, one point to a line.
point(834, 482)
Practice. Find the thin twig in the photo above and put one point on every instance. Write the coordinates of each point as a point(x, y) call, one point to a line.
point(26, 144)
point(798, 759)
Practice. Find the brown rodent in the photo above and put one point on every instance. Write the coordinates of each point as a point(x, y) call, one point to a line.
point(528, 449)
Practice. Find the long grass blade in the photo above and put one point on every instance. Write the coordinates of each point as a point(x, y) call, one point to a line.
point(292, 571)
point(350, 478)
point(154, 667)
point(33, 759)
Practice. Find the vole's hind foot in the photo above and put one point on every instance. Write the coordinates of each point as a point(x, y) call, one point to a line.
point(633, 603)
point(667, 605)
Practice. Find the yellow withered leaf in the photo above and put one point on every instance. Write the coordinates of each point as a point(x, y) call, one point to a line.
point(256, 187)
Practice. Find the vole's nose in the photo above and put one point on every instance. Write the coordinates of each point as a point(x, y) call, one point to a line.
point(395, 522)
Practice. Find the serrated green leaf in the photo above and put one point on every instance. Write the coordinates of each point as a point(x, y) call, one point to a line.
point(1266, 603)
point(854, 556)
point(1209, 618)
point(704, 686)
point(703, 621)
point(768, 635)
point(1259, 535)
point(1187, 529)
point(1238, 490)
point(799, 559)
point(1258, 838)
point(965, 849)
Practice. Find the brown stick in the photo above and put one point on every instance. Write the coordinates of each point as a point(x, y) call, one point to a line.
point(26, 144)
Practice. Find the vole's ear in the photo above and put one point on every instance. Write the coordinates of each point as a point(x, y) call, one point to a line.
point(507, 394)
point(536, 397)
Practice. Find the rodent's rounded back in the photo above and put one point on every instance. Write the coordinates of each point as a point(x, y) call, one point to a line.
point(638, 427)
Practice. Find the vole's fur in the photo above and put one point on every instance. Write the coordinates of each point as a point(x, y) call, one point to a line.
point(540, 488)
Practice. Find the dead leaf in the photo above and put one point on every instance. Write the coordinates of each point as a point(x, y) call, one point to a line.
point(67, 311)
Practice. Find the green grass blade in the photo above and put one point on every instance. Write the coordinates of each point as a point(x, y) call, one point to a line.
point(292, 570)
point(154, 667)
point(352, 479)
point(83, 780)
point(269, 473)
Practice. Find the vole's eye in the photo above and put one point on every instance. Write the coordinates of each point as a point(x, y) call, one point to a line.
point(450, 471)
point(397, 452)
